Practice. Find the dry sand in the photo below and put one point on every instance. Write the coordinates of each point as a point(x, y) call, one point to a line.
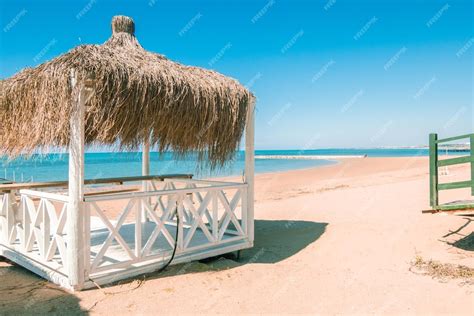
point(339, 239)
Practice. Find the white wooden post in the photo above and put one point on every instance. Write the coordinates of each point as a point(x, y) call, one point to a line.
point(250, 169)
point(75, 211)
point(145, 172)
point(145, 161)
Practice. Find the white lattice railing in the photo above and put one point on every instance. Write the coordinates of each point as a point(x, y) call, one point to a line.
point(211, 213)
point(33, 223)
point(124, 229)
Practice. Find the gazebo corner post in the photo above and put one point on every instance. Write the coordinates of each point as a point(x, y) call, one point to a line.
point(76, 245)
point(250, 170)
point(145, 172)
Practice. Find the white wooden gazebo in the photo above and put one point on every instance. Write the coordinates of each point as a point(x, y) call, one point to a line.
point(85, 232)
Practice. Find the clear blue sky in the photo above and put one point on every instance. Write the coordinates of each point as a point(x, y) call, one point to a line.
point(331, 73)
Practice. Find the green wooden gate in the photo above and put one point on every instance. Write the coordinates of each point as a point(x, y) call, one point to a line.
point(435, 163)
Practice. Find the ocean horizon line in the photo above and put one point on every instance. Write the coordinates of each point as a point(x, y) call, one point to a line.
point(240, 150)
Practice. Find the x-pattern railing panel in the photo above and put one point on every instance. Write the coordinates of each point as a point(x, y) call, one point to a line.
point(45, 228)
point(197, 218)
point(160, 222)
point(35, 226)
point(207, 211)
point(113, 232)
point(229, 215)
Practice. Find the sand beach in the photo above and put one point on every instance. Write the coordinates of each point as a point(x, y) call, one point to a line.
point(347, 238)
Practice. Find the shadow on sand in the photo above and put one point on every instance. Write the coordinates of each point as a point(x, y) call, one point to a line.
point(24, 293)
point(466, 242)
point(278, 240)
point(275, 240)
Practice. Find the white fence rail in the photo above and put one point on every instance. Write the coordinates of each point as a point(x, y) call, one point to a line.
point(210, 214)
point(127, 229)
point(33, 224)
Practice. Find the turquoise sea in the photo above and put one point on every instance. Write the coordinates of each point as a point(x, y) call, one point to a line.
point(98, 165)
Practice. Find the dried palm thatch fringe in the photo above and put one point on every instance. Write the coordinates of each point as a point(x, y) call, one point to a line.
point(136, 93)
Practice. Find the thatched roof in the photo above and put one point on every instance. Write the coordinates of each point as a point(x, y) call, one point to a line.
point(186, 109)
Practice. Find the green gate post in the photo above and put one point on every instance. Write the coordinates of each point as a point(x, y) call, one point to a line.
point(434, 170)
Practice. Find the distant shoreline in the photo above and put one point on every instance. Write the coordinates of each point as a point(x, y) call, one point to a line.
point(308, 157)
